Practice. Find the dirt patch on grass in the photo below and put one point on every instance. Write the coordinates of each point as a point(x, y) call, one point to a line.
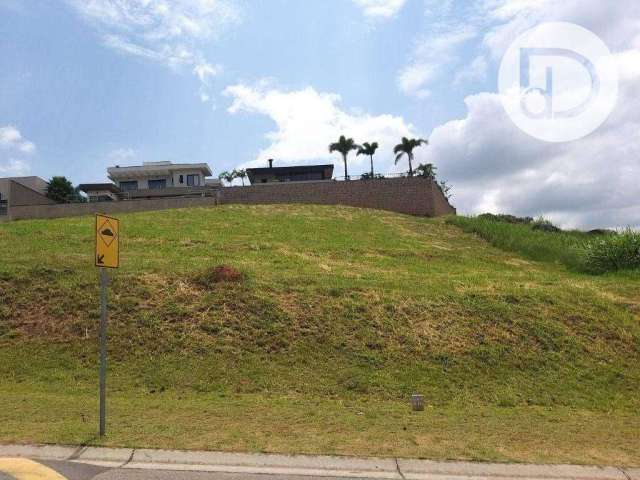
point(219, 274)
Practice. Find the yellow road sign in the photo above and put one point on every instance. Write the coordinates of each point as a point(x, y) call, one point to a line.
point(107, 241)
point(24, 469)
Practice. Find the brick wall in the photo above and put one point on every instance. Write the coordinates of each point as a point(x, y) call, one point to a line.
point(414, 196)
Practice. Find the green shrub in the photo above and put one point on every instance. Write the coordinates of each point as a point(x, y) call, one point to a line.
point(602, 231)
point(506, 218)
point(614, 252)
point(545, 225)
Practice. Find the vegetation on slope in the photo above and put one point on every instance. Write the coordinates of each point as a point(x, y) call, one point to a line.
point(338, 315)
point(596, 252)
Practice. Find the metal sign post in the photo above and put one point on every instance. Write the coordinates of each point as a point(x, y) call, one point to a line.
point(107, 255)
point(104, 283)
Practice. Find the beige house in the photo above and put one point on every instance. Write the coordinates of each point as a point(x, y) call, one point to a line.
point(34, 183)
point(22, 191)
point(159, 176)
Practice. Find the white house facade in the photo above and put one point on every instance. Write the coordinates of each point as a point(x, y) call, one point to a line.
point(159, 176)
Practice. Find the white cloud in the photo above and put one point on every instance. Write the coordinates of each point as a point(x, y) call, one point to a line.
point(307, 121)
point(14, 168)
point(12, 145)
point(11, 138)
point(436, 53)
point(496, 167)
point(205, 72)
point(495, 24)
point(167, 32)
point(161, 20)
point(617, 23)
point(474, 72)
point(381, 9)
point(413, 78)
point(122, 155)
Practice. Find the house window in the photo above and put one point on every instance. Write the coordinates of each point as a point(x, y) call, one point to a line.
point(129, 186)
point(193, 180)
point(157, 184)
point(181, 178)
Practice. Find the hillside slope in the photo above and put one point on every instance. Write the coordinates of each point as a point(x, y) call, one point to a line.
point(339, 315)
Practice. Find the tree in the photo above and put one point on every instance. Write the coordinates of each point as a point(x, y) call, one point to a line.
point(227, 177)
point(368, 149)
point(406, 148)
point(427, 171)
point(241, 174)
point(60, 190)
point(344, 146)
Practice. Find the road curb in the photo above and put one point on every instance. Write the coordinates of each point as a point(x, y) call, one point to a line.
point(248, 463)
point(308, 465)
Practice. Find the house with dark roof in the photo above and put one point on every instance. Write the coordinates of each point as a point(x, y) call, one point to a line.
point(295, 173)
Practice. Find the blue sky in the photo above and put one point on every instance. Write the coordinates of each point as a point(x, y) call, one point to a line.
point(85, 84)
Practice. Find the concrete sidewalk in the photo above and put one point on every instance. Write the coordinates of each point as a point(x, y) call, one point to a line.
point(316, 466)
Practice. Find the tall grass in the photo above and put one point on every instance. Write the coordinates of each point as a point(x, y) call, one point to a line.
point(567, 248)
point(539, 240)
point(614, 252)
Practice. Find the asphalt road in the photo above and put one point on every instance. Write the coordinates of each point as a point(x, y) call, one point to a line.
point(24, 469)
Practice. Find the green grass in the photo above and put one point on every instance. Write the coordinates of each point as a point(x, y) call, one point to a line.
point(341, 315)
point(594, 253)
point(567, 247)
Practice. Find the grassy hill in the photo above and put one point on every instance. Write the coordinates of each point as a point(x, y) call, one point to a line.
point(338, 316)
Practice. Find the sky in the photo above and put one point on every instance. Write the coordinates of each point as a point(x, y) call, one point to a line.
point(87, 84)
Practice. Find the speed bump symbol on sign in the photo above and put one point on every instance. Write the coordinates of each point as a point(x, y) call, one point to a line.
point(107, 242)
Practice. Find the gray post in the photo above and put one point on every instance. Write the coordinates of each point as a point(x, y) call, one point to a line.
point(104, 282)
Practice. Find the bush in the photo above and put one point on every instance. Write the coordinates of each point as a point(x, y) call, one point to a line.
point(506, 218)
point(614, 252)
point(545, 226)
point(367, 176)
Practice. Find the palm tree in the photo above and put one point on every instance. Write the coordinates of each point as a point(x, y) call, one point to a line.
point(344, 146)
point(368, 149)
point(406, 148)
point(241, 174)
point(427, 171)
point(227, 177)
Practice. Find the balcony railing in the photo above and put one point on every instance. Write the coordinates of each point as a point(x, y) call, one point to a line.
point(173, 192)
point(376, 176)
